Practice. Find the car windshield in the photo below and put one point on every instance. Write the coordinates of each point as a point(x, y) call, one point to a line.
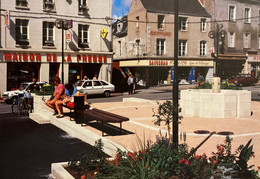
point(78, 83)
point(23, 86)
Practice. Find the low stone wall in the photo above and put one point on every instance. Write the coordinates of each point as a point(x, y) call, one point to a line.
point(226, 104)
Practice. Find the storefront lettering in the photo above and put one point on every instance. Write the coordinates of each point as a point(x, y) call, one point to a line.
point(22, 57)
point(158, 63)
point(92, 59)
point(161, 33)
point(69, 58)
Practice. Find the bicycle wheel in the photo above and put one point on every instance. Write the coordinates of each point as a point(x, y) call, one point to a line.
point(15, 107)
point(20, 108)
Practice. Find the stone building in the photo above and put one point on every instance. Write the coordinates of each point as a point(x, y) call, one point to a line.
point(239, 21)
point(147, 49)
point(31, 43)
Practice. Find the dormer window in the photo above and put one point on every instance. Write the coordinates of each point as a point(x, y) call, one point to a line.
point(48, 4)
point(83, 7)
point(22, 3)
point(161, 24)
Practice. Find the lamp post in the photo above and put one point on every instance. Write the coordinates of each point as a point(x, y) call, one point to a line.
point(63, 25)
point(219, 37)
point(175, 123)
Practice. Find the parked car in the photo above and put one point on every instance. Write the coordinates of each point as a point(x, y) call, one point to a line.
point(243, 80)
point(91, 87)
point(9, 96)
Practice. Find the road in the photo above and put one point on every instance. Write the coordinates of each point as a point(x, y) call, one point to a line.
point(27, 149)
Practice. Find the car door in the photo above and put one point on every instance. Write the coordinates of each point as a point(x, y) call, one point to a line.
point(98, 88)
point(87, 87)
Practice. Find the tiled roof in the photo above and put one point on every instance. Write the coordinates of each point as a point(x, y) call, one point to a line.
point(186, 7)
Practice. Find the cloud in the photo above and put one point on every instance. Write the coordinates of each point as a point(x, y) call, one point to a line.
point(120, 8)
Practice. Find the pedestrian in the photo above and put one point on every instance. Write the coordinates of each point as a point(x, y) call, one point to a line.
point(85, 77)
point(34, 86)
point(130, 82)
point(57, 95)
point(95, 77)
point(200, 79)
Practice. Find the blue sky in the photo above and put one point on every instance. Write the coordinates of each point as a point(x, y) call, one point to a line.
point(120, 8)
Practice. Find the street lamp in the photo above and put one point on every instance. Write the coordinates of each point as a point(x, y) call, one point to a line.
point(175, 95)
point(219, 39)
point(63, 25)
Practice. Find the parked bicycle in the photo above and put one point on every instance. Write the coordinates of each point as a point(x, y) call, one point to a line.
point(23, 104)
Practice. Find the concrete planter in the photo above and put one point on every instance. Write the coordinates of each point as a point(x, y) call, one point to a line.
point(226, 104)
point(58, 171)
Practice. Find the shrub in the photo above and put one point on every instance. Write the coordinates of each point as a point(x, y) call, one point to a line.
point(46, 90)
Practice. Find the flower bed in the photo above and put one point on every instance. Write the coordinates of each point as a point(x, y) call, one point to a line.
point(161, 160)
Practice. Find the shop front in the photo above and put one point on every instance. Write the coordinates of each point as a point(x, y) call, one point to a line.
point(154, 71)
point(253, 65)
point(21, 66)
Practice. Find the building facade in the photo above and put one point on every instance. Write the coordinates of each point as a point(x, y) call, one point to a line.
point(239, 50)
point(31, 43)
point(147, 49)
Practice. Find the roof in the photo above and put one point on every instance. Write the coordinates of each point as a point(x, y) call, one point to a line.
point(186, 7)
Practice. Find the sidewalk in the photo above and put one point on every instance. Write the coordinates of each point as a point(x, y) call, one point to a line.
point(140, 113)
point(141, 123)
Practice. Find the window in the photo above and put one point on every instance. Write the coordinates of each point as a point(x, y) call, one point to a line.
point(231, 39)
point(48, 4)
point(47, 38)
point(203, 48)
point(232, 13)
point(137, 22)
point(83, 36)
point(182, 47)
point(247, 40)
point(247, 15)
point(21, 30)
point(183, 23)
point(203, 25)
point(21, 3)
point(137, 41)
point(120, 48)
point(83, 7)
point(258, 16)
point(161, 24)
point(160, 47)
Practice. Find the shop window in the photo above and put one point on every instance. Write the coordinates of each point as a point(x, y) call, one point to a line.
point(231, 39)
point(247, 15)
point(232, 13)
point(203, 48)
point(182, 47)
point(83, 7)
point(21, 28)
point(160, 47)
point(161, 23)
point(83, 36)
point(48, 5)
point(22, 3)
point(247, 40)
point(203, 25)
point(183, 25)
point(48, 34)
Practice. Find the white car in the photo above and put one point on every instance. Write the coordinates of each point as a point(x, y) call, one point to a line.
point(9, 96)
point(91, 87)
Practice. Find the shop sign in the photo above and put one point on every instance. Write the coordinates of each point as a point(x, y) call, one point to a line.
point(91, 58)
point(104, 33)
point(194, 63)
point(254, 58)
point(19, 57)
point(155, 33)
point(158, 63)
point(68, 37)
point(7, 18)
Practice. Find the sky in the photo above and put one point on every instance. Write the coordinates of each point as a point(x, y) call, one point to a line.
point(120, 8)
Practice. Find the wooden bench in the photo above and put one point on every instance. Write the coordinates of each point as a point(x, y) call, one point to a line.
point(103, 117)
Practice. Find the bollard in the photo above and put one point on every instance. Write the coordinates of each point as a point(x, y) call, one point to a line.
point(216, 85)
point(79, 108)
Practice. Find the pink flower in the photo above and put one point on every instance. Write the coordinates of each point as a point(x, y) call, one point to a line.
point(214, 161)
point(186, 162)
point(197, 157)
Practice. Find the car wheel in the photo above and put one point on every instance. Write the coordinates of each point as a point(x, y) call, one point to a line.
point(107, 93)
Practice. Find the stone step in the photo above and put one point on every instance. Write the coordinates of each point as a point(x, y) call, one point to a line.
point(39, 118)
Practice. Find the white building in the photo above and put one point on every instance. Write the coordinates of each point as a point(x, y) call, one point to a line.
point(31, 44)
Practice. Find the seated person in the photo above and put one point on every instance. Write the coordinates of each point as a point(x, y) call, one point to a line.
point(57, 95)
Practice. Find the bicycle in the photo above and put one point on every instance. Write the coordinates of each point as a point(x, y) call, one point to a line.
point(22, 104)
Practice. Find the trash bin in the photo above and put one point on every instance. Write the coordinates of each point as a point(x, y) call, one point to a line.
point(79, 108)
